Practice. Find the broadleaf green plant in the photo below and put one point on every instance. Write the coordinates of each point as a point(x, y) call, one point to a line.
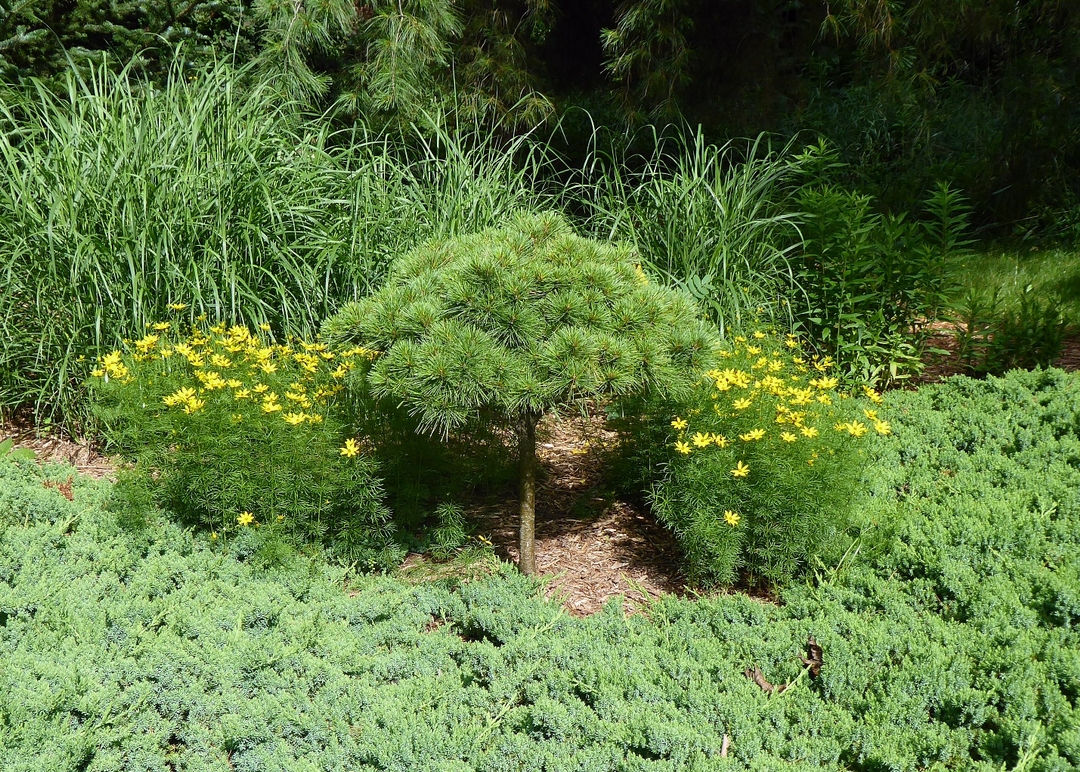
point(511, 323)
point(8, 452)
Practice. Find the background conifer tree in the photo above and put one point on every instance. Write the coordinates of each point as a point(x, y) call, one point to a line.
point(512, 323)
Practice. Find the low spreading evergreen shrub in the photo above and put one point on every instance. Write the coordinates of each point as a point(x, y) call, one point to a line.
point(951, 643)
point(233, 431)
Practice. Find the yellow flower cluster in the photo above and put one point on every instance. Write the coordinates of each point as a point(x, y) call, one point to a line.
point(231, 363)
point(112, 366)
point(778, 389)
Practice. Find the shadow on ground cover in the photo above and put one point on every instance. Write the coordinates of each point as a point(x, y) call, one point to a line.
point(950, 643)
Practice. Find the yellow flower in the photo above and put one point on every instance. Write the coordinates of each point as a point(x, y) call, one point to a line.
point(825, 383)
point(264, 327)
point(791, 341)
point(753, 434)
point(97, 372)
point(268, 367)
point(232, 383)
point(200, 318)
point(809, 431)
point(870, 414)
point(882, 427)
point(824, 399)
point(179, 397)
point(242, 394)
point(702, 439)
point(872, 395)
point(147, 342)
point(683, 447)
point(720, 440)
point(742, 404)
point(194, 405)
point(857, 429)
point(753, 350)
point(759, 335)
point(732, 518)
point(679, 423)
point(740, 339)
point(162, 326)
point(238, 418)
point(294, 419)
point(213, 536)
point(350, 448)
point(788, 437)
point(270, 407)
point(245, 518)
point(177, 306)
point(217, 360)
point(259, 388)
point(740, 470)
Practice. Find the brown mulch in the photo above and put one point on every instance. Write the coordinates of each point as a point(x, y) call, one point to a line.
point(47, 448)
point(941, 366)
point(592, 547)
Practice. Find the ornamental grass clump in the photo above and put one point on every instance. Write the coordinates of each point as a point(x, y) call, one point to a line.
point(234, 431)
point(503, 326)
point(765, 460)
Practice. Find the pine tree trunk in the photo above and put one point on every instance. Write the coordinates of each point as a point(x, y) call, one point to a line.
point(527, 494)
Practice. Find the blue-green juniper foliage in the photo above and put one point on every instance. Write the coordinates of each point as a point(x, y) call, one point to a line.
point(952, 641)
point(511, 323)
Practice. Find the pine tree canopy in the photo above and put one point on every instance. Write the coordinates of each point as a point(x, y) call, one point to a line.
point(513, 322)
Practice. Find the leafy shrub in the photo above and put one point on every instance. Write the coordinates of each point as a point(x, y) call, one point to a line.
point(993, 338)
point(764, 463)
point(236, 431)
point(873, 282)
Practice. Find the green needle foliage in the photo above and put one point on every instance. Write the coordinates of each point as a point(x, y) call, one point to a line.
point(511, 323)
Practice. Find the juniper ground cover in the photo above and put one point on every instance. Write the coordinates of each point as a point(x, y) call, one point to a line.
point(948, 635)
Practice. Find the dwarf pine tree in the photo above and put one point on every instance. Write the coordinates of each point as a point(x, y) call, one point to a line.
point(515, 322)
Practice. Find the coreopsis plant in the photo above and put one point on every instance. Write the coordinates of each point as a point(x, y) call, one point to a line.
point(509, 324)
point(235, 431)
point(765, 460)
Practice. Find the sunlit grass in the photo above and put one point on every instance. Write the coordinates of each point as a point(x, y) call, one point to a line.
point(1053, 275)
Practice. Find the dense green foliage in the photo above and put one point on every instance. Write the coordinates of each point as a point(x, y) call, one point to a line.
point(949, 636)
point(117, 199)
point(720, 222)
point(517, 321)
point(231, 431)
point(875, 284)
point(982, 94)
point(756, 472)
point(506, 325)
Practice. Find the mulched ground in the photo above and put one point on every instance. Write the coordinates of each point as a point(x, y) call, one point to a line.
point(592, 547)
